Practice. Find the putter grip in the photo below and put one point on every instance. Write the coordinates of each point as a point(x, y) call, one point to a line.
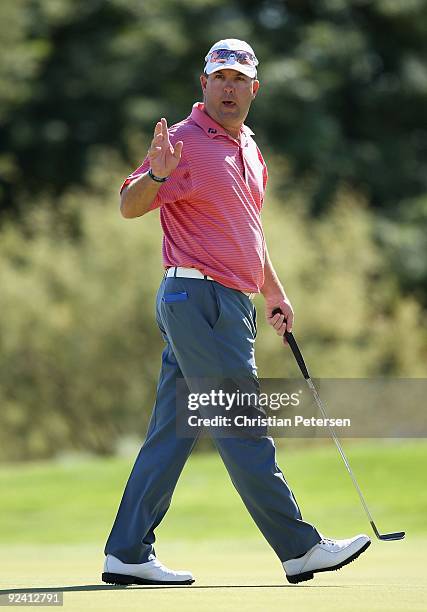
point(295, 349)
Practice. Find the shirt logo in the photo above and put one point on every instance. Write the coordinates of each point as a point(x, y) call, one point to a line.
point(212, 131)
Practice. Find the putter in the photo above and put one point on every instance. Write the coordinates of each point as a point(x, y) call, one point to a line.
point(387, 537)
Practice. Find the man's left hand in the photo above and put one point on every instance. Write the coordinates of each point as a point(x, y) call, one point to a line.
point(281, 322)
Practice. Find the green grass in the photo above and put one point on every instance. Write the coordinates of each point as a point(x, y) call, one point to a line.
point(55, 518)
point(76, 502)
point(230, 577)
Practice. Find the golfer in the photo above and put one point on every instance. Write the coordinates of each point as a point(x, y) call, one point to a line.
point(208, 177)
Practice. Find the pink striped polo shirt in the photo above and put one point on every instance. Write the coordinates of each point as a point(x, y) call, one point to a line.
point(210, 205)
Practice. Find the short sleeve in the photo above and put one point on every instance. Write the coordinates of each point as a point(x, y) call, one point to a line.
point(178, 187)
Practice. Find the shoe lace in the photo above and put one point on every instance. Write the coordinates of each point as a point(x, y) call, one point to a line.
point(327, 541)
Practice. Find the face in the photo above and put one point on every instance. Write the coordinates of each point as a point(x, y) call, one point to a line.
point(228, 95)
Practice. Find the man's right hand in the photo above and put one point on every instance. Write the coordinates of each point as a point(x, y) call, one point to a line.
point(163, 157)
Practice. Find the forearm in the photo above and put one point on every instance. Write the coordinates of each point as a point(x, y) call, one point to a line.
point(137, 197)
point(276, 298)
point(272, 285)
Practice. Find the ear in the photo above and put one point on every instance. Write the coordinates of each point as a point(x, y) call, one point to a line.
point(255, 87)
point(203, 81)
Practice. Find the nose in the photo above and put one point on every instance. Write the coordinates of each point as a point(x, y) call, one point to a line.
point(228, 87)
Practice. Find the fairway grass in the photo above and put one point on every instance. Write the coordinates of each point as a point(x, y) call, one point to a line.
point(55, 518)
point(76, 502)
point(230, 576)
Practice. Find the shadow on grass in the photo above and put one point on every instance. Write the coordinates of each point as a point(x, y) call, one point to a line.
point(112, 587)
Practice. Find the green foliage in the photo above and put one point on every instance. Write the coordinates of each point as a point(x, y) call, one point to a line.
point(79, 351)
point(350, 316)
point(79, 346)
point(404, 240)
point(344, 86)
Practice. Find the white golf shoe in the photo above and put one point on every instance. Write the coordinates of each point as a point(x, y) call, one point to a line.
point(325, 556)
point(151, 572)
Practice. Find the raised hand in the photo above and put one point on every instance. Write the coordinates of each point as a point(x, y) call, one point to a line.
point(163, 157)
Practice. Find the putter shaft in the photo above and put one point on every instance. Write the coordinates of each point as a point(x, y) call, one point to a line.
point(398, 535)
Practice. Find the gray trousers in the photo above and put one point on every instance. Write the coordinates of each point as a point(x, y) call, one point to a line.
point(210, 331)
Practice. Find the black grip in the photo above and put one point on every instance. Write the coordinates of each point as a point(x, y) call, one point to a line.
point(295, 348)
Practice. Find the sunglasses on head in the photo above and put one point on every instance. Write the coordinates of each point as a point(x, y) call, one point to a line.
point(222, 56)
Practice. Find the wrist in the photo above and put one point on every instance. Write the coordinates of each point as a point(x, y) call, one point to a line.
point(275, 298)
point(157, 179)
point(273, 292)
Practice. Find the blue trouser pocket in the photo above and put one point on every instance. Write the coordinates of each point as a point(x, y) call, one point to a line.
point(177, 296)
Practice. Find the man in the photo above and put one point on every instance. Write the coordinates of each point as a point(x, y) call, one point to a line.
point(208, 177)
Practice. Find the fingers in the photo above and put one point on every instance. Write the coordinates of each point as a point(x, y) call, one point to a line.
point(161, 138)
point(275, 319)
point(279, 323)
point(282, 321)
point(165, 133)
point(161, 127)
point(178, 149)
point(157, 129)
point(161, 135)
point(167, 157)
point(157, 142)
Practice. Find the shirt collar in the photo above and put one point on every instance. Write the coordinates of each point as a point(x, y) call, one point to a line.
point(211, 127)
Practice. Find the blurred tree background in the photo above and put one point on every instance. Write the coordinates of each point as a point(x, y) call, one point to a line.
point(341, 121)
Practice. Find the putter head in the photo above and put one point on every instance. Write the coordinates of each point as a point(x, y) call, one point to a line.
point(387, 537)
point(399, 535)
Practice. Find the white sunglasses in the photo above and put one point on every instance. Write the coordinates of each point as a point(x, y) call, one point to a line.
point(223, 56)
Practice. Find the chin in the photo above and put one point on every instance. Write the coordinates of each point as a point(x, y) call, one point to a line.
point(235, 113)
